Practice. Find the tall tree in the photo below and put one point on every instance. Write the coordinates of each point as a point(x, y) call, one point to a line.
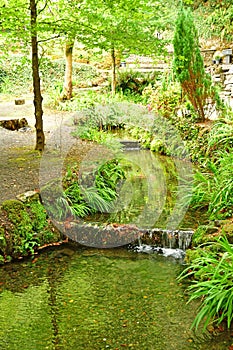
point(40, 139)
point(125, 24)
point(19, 22)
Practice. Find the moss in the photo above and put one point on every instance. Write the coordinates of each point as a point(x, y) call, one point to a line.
point(25, 226)
point(204, 234)
point(48, 235)
point(192, 254)
point(12, 206)
point(38, 215)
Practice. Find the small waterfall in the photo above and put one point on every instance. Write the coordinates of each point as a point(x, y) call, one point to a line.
point(184, 239)
point(130, 145)
point(169, 239)
point(165, 242)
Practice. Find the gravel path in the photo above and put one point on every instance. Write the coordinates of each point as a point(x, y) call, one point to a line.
point(19, 163)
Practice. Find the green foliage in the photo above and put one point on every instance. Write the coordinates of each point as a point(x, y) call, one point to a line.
point(3, 77)
point(166, 99)
point(16, 74)
point(188, 64)
point(222, 192)
point(38, 215)
point(21, 238)
point(100, 137)
point(24, 227)
point(220, 138)
point(213, 283)
point(203, 233)
point(214, 18)
point(93, 193)
point(213, 190)
point(131, 81)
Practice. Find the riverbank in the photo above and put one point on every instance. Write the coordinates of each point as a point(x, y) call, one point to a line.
point(20, 165)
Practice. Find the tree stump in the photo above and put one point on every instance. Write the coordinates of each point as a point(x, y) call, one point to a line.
point(19, 101)
point(14, 124)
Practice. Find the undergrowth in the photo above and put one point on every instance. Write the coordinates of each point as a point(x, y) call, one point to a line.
point(84, 194)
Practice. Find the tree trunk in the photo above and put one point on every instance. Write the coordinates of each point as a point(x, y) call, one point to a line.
point(40, 139)
point(67, 89)
point(113, 55)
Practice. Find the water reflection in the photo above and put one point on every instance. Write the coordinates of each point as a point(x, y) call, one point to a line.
point(97, 299)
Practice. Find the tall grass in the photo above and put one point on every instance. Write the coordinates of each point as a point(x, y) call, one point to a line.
point(212, 284)
point(213, 189)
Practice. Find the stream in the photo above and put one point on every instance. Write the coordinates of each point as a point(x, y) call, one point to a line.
point(74, 297)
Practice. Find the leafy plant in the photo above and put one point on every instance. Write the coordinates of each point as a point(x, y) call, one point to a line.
point(95, 193)
point(220, 137)
point(131, 81)
point(166, 99)
point(213, 284)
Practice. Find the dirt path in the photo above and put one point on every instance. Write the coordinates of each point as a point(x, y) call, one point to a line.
point(19, 163)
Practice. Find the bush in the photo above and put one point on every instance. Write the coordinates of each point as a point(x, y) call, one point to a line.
point(131, 82)
point(17, 74)
point(166, 100)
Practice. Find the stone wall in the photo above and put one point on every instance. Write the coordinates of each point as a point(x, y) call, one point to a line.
point(221, 71)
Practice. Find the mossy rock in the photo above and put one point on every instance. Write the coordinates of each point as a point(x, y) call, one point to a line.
point(192, 254)
point(227, 229)
point(24, 227)
point(12, 206)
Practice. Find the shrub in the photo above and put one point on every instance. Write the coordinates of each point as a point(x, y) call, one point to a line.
point(130, 81)
point(166, 100)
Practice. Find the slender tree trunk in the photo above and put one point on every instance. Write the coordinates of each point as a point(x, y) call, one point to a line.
point(113, 55)
point(40, 139)
point(67, 89)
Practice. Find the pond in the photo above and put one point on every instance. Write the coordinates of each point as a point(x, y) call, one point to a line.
point(83, 298)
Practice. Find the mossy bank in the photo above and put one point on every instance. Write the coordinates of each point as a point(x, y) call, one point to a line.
point(24, 228)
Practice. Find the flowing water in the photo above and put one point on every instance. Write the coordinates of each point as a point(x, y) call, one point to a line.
point(155, 194)
point(80, 298)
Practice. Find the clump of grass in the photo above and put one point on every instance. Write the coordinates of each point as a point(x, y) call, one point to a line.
point(212, 283)
point(213, 189)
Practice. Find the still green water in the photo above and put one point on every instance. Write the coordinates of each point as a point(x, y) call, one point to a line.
point(76, 298)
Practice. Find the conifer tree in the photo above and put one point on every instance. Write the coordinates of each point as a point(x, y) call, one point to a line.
point(188, 64)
